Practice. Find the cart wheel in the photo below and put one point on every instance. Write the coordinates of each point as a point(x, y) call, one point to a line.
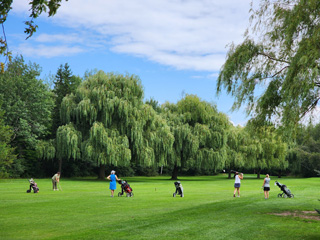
point(279, 195)
point(285, 195)
point(119, 194)
point(131, 194)
point(292, 196)
point(174, 194)
point(182, 195)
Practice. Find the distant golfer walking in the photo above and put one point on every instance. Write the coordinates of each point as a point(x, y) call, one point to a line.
point(237, 183)
point(113, 184)
point(55, 180)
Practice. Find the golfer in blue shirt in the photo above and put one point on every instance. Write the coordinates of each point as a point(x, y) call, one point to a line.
point(113, 184)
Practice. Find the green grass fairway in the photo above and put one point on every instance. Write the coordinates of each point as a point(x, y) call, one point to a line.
point(85, 210)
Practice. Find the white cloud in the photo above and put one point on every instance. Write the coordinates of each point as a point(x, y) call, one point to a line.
point(213, 75)
point(185, 34)
point(46, 51)
point(47, 38)
point(241, 124)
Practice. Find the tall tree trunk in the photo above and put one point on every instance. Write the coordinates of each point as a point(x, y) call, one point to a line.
point(229, 172)
point(60, 165)
point(102, 171)
point(175, 173)
point(279, 174)
point(258, 173)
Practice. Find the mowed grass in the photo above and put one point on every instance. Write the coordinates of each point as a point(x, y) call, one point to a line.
point(85, 210)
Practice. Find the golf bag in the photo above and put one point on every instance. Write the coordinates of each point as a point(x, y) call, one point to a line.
point(125, 188)
point(179, 189)
point(285, 191)
point(33, 186)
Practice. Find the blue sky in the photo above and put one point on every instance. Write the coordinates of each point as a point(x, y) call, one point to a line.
point(176, 47)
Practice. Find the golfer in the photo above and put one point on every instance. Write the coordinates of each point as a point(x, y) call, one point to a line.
point(237, 183)
point(55, 180)
point(266, 186)
point(113, 184)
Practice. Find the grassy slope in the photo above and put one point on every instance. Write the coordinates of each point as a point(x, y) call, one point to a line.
point(85, 210)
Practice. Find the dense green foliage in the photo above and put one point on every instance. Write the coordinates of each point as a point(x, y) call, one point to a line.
point(65, 83)
point(105, 124)
point(236, 148)
point(280, 54)
point(85, 210)
point(256, 149)
point(85, 127)
point(266, 149)
point(305, 154)
point(7, 156)
point(27, 102)
point(28, 105)
point(199, 132)
point(108, 123)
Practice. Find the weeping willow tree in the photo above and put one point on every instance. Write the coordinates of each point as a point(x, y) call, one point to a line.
point(236, 148)
point(199, 134)
point(46, 149)
point(107, 122)
point(280, 53)
point(265, 149)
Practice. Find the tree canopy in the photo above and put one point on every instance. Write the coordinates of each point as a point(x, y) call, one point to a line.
point(280, 53)
point(7, 155)
point(265, 149)
point(27, 103)
point(236, 147)
point(65, 83)
point(105, 123)
point(304, 155)
point(108, 123)
point(199, 134)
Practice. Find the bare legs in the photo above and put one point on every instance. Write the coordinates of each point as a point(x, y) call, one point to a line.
point(266, 194)
point(236, 190)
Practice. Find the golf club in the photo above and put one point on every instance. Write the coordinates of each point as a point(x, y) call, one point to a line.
point(60, 186)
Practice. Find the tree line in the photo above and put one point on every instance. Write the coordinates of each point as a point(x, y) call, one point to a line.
point(83, 126)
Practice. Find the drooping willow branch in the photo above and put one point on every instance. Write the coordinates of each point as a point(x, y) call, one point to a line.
point(273, 58)
point(279, 71)
point(310, 107)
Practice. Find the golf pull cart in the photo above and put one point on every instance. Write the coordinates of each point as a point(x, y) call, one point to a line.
point(33, 186)
point(179, 189)
point(125, 188)
point(285, 191)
